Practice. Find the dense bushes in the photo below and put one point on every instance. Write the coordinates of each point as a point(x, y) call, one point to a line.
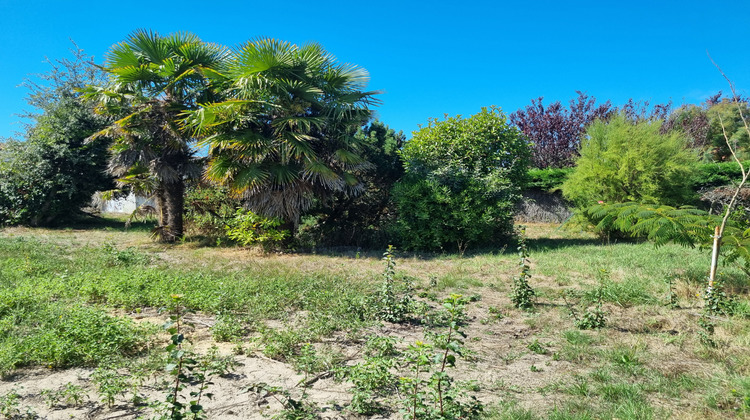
point(364, 219)
point(624, 161)
point(463, 179)
point(216, 215)
point(53, 173)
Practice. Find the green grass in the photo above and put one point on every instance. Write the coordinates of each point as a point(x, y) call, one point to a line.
point(64, 296)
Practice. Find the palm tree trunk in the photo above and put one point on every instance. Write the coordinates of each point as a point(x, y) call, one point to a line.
point(175, 205)
point(161, 207)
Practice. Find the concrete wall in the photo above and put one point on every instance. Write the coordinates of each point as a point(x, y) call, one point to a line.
point(125, 204)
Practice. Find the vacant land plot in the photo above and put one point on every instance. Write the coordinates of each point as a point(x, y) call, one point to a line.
point(614, 332)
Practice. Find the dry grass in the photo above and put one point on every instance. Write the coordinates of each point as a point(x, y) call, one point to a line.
point(646, 345)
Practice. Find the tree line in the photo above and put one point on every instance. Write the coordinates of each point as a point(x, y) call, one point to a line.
point(286, 132)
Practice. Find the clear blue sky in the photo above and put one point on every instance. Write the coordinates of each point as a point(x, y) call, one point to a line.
point(429, 58)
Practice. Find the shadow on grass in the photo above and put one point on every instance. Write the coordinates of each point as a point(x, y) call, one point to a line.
point(551, 244)
point(735, 281)
point(509, 248)
point(107, 222)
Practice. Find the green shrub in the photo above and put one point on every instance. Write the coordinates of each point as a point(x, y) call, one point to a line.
point(53, 173)
point(621, 161)
point(362, 220)
point(716, 174)
point(207, 208)
point(547, 179)
point(248, 228)
point(463, 179)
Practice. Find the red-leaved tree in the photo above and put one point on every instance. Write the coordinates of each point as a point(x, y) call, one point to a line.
point(555, 131)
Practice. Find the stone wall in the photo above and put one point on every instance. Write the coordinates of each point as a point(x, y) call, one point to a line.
point(543, 207)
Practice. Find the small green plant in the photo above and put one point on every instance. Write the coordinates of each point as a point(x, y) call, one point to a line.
point(307, 361)
point(68, 394)
point(227, 328)
point(10, 407)
point(430, 393)
point(537, 347)
point(593, 317)
point(715, 302)
point(109, 381)
point(124, 257)
point(672, 300)
point(186, 369)
point(371, 378)
point(9, 404)
point(496, 312)
point(293, 409)
point(523, 295)
point(380, 346)
point(393, 303)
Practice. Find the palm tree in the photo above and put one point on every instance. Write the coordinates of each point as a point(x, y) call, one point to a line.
point(153, 80)
point(285, 135)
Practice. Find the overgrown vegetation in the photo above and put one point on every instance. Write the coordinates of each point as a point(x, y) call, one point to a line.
point(290, 165)
point(314, 316)
point(49, 176)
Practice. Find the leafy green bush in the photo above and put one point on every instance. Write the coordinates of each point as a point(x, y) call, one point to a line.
point(247, 228)
point(716, 174)
point(53, 173)
point(463, 179)
point(623, 161)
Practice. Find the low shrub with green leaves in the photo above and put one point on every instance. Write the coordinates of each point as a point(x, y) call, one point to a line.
point(248, 228)
point(207, 208)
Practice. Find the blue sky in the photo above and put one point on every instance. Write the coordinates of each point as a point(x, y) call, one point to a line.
point(429, 58)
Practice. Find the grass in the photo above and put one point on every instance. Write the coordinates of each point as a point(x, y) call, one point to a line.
point(68, 298)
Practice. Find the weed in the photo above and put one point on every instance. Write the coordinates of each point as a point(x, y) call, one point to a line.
point(371, 378)
point(580, 387)
point(380, 346)
point(307, 361)
point(430, 393)
point(523, 295)
point(125, 258)
point(626, 359)
point(577, 346)
point(282, 344)
point(672, 299)
point(537, 347)
point(509, 411)
point(9, 404)
point(186, 368)
point(393, 303)
point(715, 302)
point(496, 313)
point(68, 394)
point(227, 328)
point(109, 381)
point(294, 409)
point(593, 317)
